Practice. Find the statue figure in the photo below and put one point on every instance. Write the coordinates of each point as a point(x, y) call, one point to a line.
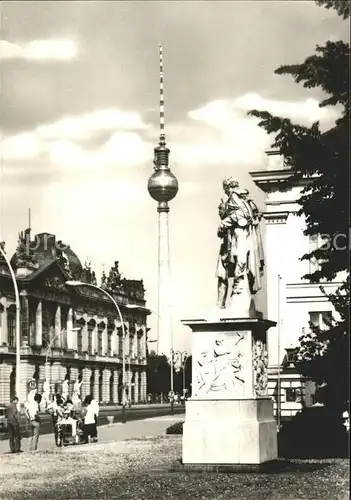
point(65, 389)
point(114, 279)
point(46, 392)
point(76, 388)
point(62, 258)
point(241, 251)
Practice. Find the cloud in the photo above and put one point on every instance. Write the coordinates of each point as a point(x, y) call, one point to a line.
point(20, 146)
point(221, 132)
point(39, 50)
point(303, 111)
point(68, 141)
point(87, 125)
point(123, 149)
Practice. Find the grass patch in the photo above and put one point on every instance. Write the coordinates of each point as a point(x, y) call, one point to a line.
point(141, 469)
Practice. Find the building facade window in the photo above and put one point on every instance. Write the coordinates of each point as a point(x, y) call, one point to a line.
point(139, 347)
point(11, 329)
point(320, 319)
point(315, 241)
point(120, 344)
point(90, 339)
point(109, 343)
point(80, 340)
point(131, 346)
point(100, 347)
point(293, 395)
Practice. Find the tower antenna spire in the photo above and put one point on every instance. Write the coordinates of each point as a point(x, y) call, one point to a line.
point(161, 152)
point(163, 187)
point(29, 219)
point(162, 100)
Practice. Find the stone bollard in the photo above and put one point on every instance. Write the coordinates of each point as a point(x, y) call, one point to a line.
point(110, 419)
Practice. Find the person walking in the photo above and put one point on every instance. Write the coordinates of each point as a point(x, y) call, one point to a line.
point(96, 408)
point(56, 411)
point(89, 419)
point(32, 413)
point(13, 425)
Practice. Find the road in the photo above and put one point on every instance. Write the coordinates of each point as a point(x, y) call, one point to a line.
point(134, 413)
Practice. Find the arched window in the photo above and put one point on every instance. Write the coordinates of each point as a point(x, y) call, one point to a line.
point(11, 325)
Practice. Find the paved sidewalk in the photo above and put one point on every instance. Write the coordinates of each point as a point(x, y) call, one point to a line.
point(116, 432)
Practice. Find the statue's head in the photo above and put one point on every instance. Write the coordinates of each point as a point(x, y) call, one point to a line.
point(229, 184)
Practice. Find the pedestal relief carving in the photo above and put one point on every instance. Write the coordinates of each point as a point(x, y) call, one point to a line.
point(260, 364)
point(219, 369)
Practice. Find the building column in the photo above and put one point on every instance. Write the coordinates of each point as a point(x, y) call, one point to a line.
point(129, 378)
point(114, 340)
point(94, 337)
point(3, 322)
point(136, 387)
point(106, 374)
point(39, 324)
point(58, 327)
point(26, 373)
point(115, 386)
point(96, 384)
point(24, 320)
point(85, 334)
point(5, 374)
point(104, 341)
point(55, 375)
point(143, 385)
point(73, 378)
point(71, 335)
point(85, 387)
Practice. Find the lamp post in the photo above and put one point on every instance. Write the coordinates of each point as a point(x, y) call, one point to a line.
point(79, 284)
point(278, 354)
point(183, 356)
point(18, 319)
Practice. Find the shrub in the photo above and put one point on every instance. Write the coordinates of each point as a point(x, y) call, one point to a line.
point(176, 428)
point(315, 432)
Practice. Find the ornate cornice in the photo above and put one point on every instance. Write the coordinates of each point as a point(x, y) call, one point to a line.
point(272, 180)
point(276, 217)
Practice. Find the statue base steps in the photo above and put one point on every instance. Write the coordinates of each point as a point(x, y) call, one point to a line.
point(240, 431)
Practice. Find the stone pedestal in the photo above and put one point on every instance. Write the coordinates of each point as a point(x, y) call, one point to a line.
point(229, 418)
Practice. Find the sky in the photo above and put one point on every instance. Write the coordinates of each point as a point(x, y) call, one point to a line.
point(79, 121)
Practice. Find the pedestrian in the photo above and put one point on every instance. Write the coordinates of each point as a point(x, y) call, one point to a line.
point(13, 425)
point(32, 413)
point(89, 420)
point(56, 412)
point(96, 414)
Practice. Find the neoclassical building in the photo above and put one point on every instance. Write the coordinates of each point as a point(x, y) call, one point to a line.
point(291, 301)
point(70, 333)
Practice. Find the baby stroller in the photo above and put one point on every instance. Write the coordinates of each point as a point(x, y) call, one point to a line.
point(70, 429)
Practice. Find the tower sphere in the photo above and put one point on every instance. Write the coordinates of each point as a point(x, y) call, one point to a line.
point(163, 185)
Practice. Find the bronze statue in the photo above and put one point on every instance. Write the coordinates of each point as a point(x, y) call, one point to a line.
point(241, 257)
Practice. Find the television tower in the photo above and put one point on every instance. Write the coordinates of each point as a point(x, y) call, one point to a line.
point(163, 187)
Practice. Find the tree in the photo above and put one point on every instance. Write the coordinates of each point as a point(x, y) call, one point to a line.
point(323, 159)
point(342, 7)
point(158, 373)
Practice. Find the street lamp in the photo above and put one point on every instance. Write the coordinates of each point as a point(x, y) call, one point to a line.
point(79, 284)
point(183, 356)
point(18, 319)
